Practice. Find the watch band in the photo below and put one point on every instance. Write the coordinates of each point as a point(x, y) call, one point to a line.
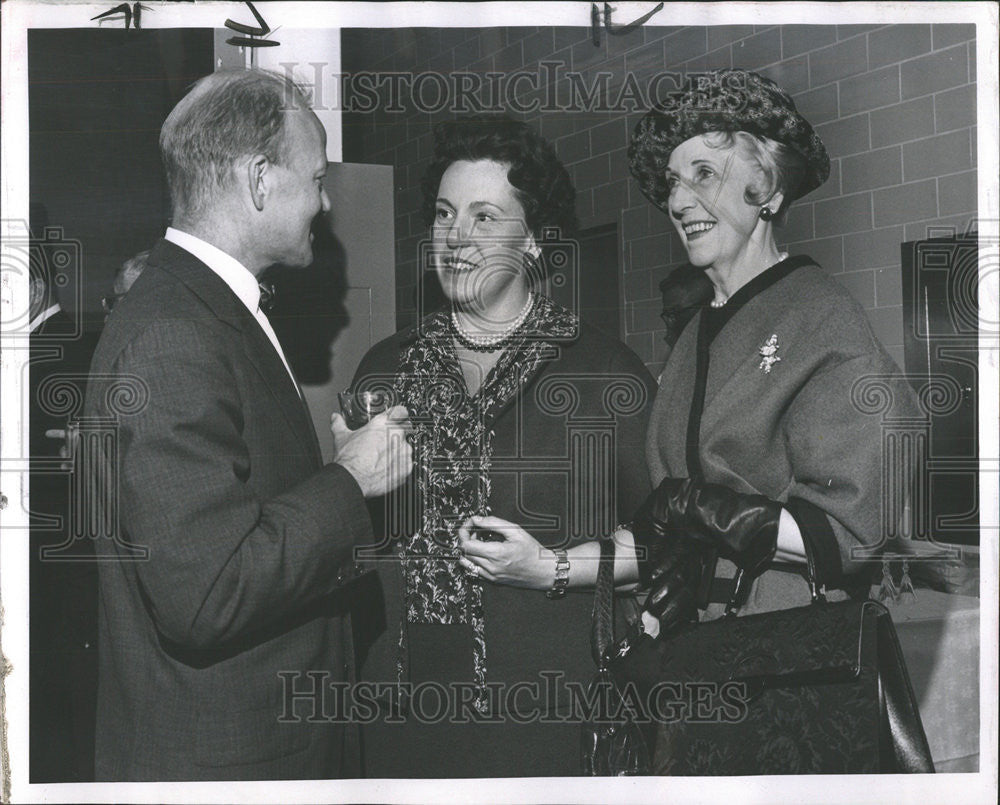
point(561, 580)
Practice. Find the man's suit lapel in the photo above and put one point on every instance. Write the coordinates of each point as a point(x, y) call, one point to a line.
point(268, 364)
point(227, 307)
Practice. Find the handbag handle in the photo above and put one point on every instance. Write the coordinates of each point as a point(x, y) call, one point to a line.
point(602, 630)
point(742, 582)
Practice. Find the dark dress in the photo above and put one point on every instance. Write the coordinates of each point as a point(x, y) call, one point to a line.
point(588, 396)
point(807, 421)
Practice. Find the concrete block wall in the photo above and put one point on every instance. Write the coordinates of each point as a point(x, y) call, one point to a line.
point(895, 105)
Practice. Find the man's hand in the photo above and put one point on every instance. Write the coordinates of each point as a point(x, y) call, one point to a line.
point(378, 455)
point(70, 438)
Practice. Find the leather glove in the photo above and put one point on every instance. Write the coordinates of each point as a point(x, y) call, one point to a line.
point(671, 567)
point(672, 600)
point(743, 528)
point(673, 592)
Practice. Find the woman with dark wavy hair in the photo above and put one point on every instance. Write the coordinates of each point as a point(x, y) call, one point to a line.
point(520, 412)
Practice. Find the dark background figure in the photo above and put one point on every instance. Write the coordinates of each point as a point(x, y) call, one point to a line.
point(685, 291)
point(308, 310)
point(127, 274)
point(63, 584)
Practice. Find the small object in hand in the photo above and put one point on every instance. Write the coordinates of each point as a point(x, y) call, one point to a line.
point(487, 535)
point(359, 407)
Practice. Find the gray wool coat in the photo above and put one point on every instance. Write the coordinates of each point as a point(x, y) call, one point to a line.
point(808, 429)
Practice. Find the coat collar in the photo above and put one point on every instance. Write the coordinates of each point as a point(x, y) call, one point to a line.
point(716, 318)
point(204, 283)
point(225, 306)
point(237, 276)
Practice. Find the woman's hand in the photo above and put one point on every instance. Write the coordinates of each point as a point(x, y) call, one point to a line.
point(519, 560)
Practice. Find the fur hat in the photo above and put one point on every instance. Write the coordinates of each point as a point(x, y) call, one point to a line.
point(724, 101)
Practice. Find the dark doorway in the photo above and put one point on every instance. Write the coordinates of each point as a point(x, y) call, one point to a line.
point(97, 99)
point(941, 343)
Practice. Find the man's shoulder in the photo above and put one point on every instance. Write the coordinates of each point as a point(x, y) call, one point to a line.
point(177, 287)
point(156, 299)
point(160, 313)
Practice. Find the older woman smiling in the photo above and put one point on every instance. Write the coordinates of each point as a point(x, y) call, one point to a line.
point(764, 466)
point(757, 450)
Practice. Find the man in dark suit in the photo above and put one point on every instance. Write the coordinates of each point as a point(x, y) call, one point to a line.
point(223, 573)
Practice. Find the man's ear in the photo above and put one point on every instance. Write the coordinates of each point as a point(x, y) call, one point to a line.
point(258, 170)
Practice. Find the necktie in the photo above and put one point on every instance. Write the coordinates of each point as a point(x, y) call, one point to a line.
point(268, 295)
point(264, 306)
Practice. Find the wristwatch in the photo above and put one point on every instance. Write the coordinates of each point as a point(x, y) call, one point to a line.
point(561, 580)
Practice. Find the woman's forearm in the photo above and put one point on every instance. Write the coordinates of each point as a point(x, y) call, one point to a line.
point(790, 547)
point(584, 559)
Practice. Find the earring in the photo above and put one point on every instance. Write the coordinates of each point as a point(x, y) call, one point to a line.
point(887, 591)
point(766, 213)
point(532, 266)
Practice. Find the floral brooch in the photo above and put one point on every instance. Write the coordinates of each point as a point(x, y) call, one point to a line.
point(768, 354)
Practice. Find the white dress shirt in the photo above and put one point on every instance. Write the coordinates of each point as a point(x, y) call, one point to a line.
point(43, 317)
point(238, 277)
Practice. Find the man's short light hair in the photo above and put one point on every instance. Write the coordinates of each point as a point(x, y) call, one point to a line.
point(226, 116)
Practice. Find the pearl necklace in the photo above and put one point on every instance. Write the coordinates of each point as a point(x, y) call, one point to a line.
point(717, 303)
point(493, 341)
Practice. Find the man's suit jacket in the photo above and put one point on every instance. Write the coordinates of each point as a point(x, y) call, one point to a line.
point(219, 475)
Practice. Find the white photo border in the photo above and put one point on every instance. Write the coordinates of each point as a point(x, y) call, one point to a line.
point(21, 15)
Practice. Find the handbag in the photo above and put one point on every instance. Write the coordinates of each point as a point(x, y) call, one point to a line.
point(816, 689)
point(612, 742)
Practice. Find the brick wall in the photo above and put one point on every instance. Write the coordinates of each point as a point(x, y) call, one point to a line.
point(894, 104)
